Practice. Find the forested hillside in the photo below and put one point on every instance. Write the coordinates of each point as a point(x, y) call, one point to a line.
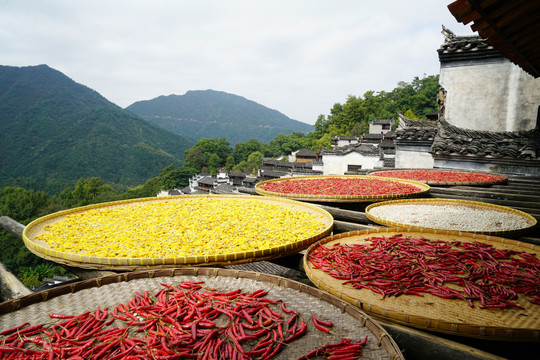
point(96, 123)
point(206, 114)
point(56, 131)
point(414, 100)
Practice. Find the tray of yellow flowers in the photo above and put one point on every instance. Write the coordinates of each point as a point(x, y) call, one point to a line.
point(175, 231)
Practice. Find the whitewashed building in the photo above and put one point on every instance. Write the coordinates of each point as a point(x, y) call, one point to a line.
point(484, 90)
point(381, 126)
point(413, 142)
point(489, 108)
point(343, 141)
point(352, 159)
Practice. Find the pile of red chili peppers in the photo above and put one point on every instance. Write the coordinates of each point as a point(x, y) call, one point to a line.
point(340, 186)
point(471, 271)
point(188, 321)
point(343, 350)
point(438, 175)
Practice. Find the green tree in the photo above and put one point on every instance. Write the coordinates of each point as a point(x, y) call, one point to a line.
point(324, 142)
point(214, 163)
point(169, 178)
point(354, 116)
point(229, 163)
point(253, 162)
point(195, 157)
point(243, 150)
point(410, 115)
point(220, 147)
point(241, 166)
point(199, 155)
point(285, 144)
point(320, 125)
point(23, 206)
point(89, 191)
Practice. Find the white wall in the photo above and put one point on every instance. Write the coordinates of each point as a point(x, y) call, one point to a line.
point(337, 164)
point(378, 129)
point(343, 143)
point(413, 157)
point(496, 96)
point(318, 166)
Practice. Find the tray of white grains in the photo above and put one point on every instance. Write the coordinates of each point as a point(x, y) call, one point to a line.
point(449, 214)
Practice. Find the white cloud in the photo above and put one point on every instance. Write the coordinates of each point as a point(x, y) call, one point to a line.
point(297, 56)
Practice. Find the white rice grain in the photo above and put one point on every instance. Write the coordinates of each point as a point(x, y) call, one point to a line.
point(450, 217)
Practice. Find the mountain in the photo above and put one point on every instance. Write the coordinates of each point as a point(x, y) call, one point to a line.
point(215, 114)
point(56, 131)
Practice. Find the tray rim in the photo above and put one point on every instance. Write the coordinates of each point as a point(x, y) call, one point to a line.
point(469, 203)
point(129, 264)
point(421, 322)
point(448, 183)
point(384, 338)
point(343, 198)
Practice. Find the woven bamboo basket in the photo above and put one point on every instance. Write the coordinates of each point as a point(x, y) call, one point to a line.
point(349, 321)
point(449, 316)
point(386, 173)
point(422, 189)
point(465, 204)
point(42, 249)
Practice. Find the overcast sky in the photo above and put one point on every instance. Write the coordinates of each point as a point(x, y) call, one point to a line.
point(299, 57)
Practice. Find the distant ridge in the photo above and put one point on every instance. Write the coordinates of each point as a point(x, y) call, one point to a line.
point(56, 131)
point(202, 114)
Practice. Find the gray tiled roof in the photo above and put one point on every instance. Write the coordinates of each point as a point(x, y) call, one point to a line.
point(359, 148)
point(460, 48)
point(306, 152)
point(515, 144)
point(416, 129)
point(207, 181)
point(383, 121)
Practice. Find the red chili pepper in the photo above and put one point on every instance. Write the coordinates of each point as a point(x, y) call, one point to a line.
point(320, 327)
point(324, 323)
point(9, 331)
point(60, 316)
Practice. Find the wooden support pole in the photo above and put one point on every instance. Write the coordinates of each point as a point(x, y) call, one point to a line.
point(10, 286)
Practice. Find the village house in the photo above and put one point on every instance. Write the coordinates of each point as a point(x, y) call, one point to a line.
point(413, 143)
point(305, 169)
point(274, 169)
point(272, 174)
point(381, 126)
point(487, 119)
point(351, 156)
point(204, 184)
point(343, 141)
point(250, 181)
point(304, 155)
point(276, 165)
point(388, 152)
point(374, 139)
point(350, 159)
point(236, 177)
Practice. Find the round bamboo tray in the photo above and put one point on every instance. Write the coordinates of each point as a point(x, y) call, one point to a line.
point(449, 316)
point(349, 321)
point(421, 190)
point(387, 173)
point(42, 249)
point(465, 204)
